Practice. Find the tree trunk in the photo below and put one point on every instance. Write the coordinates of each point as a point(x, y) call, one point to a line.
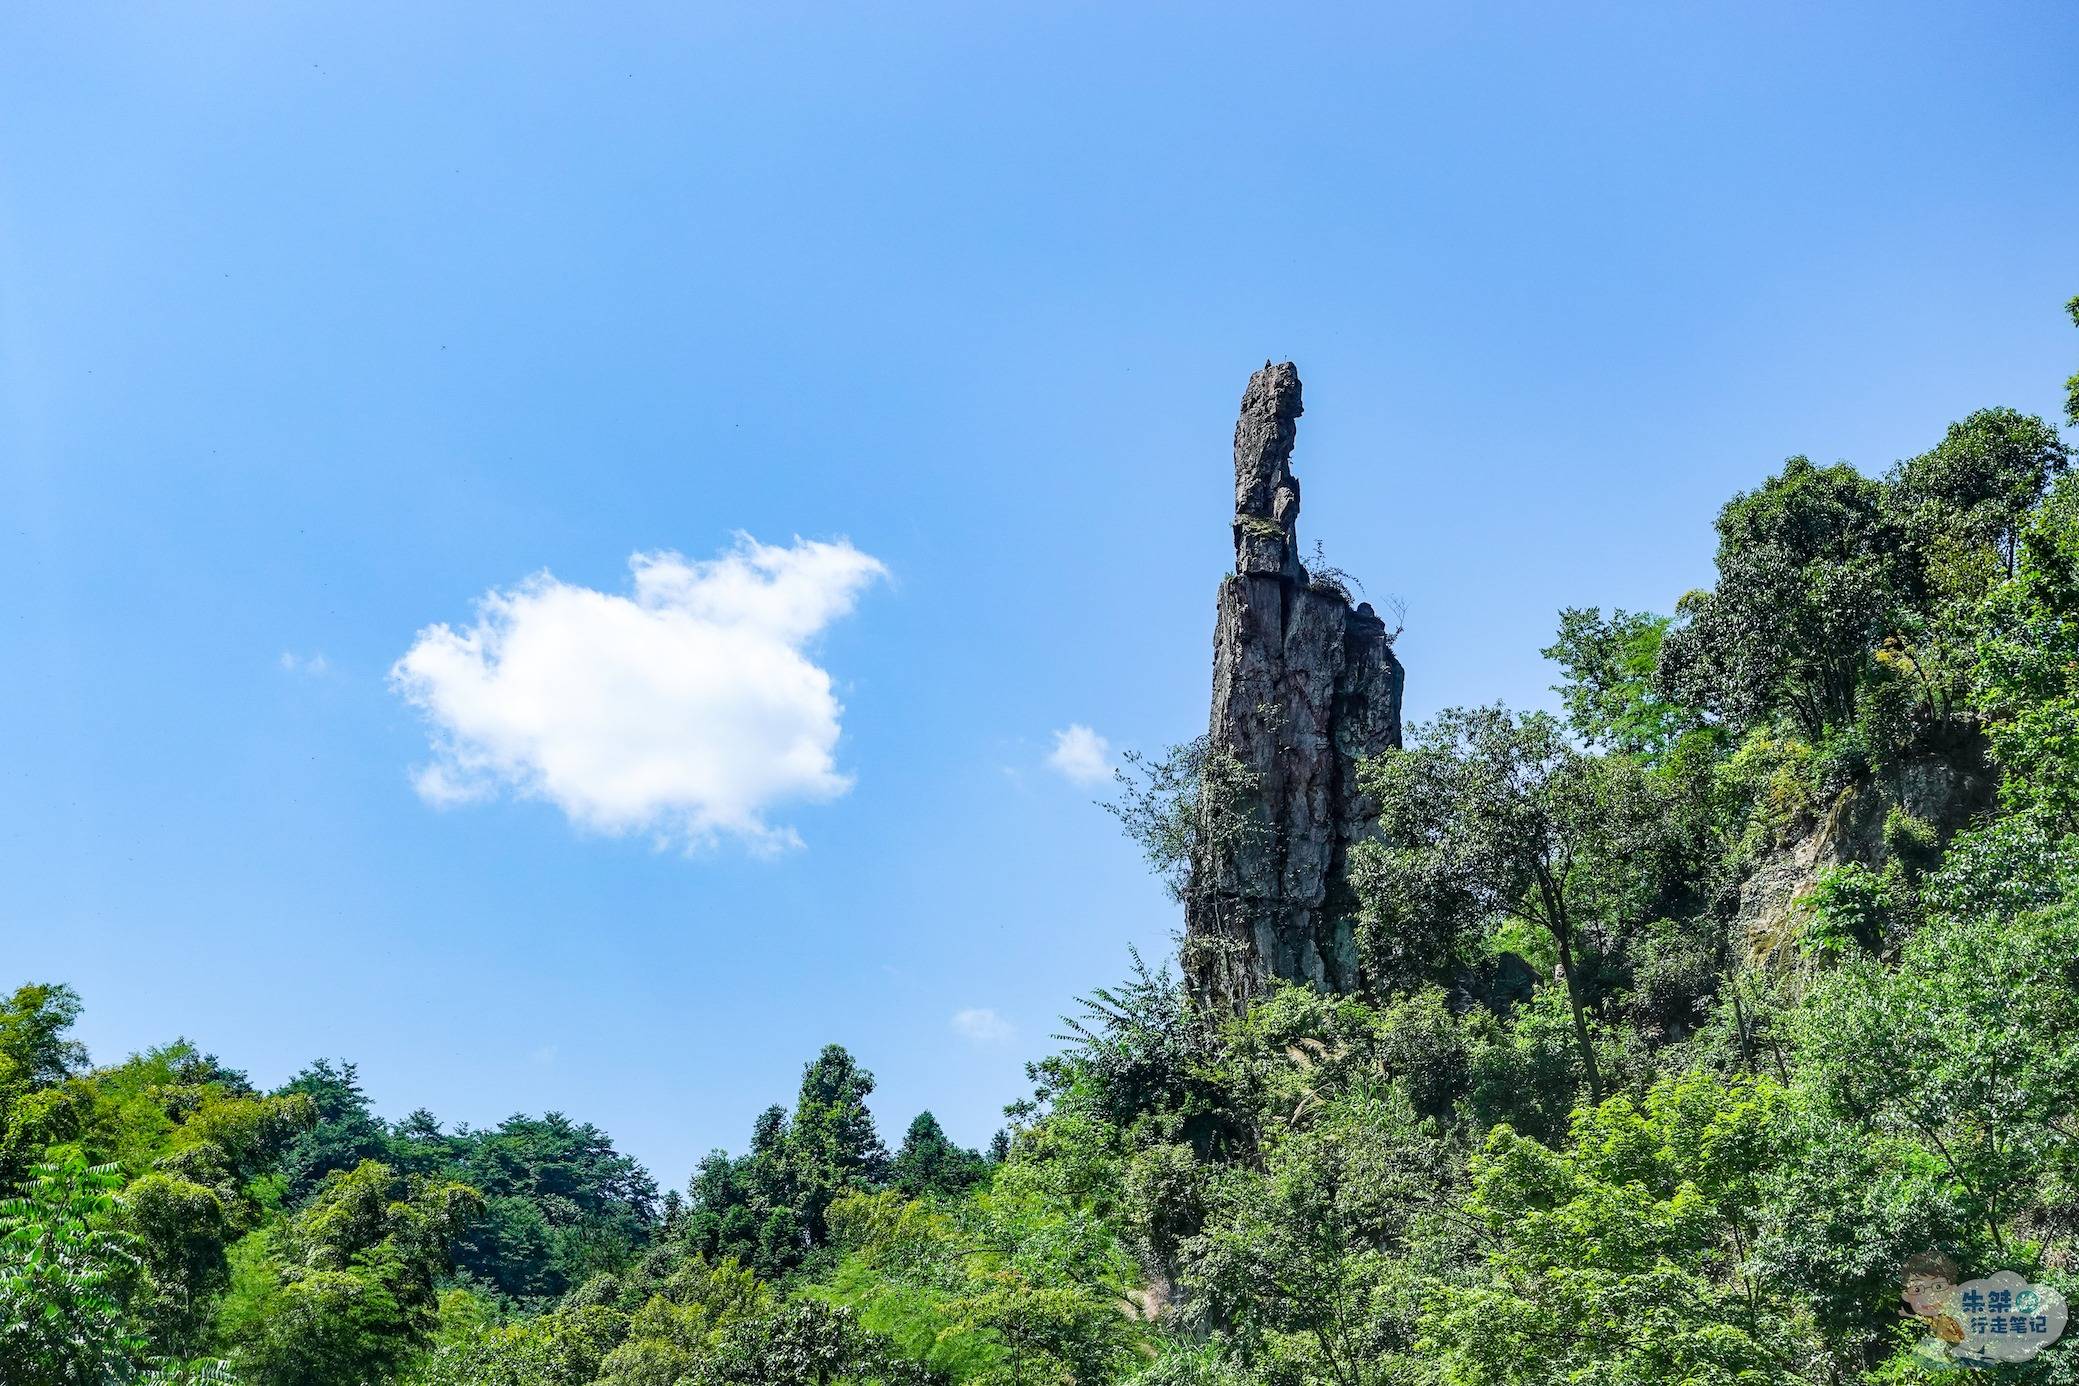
point(1564, 938)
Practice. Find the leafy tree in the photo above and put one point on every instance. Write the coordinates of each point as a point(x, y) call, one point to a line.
point(196, 1144)
point(809, 1343)
point(832, 1145)
point(182, 1232)
point(746, 1208)
point(1854, 908)
point(1960, 510)
point(345, 1133)
point(1609, 693)
point(1193, 1364)
point(561, 1202)
point(563, 1348)
point(35, 1057)
point(69, 1274)
point(767, 1207)
point(1969, 1047)
point(1678, 967)
point(1189, 809)
point(1525, 1072)
point(64, 1274)
point(1306, 1261)
point(929, 1163)
point(1488, 815)
point(1190, 802)
point(343, 1292)
point(200, 1143)
point(165, 1103)
point(1020, 1282)
point(1628, 1257)
point(1974, 490)
point(512, 1249)
point(553, 1157)
point(677, 1331)
point(1809, 579)
point(2004, 868)
point(2028, 665)
point(2072, 384)
point(1844, 1211)
point(34, 1050)
point(418, 1145)
point(1141, 1054)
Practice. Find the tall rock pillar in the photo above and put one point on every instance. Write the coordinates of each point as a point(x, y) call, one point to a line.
point(1304, 686)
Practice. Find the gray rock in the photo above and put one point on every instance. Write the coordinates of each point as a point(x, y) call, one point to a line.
point(1304, 686)
point(1945, 789)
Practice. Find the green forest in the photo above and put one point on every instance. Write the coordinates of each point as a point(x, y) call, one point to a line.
point(1695, 1014)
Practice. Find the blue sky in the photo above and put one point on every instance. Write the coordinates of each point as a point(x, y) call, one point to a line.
point(320, 322)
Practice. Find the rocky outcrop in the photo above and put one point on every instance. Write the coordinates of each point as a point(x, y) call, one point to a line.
point(1304, 687)
point(1942, 791)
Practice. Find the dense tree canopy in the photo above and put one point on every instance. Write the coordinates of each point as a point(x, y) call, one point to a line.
point(1808, 577)
point(1488, 817)
point(1609, 694)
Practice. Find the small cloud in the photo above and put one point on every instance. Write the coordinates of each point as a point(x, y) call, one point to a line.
point(310, 664)
point(1080, 755)
point(983, 1026)
point(545, 1055)
point(688, 708)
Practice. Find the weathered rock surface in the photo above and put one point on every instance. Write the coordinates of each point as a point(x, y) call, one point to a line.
point(1945, 791)
point(1304, 686)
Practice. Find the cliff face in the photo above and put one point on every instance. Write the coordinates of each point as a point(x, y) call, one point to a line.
point(1304, 686)
point(1946, 790)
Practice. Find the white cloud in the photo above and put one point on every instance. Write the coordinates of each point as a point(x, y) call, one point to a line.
point(312, 664)
point(688, 709)
point(983, 1026)
point(1081, 755)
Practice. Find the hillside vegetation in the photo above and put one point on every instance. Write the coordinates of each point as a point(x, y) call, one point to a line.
point(1697, 1013)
